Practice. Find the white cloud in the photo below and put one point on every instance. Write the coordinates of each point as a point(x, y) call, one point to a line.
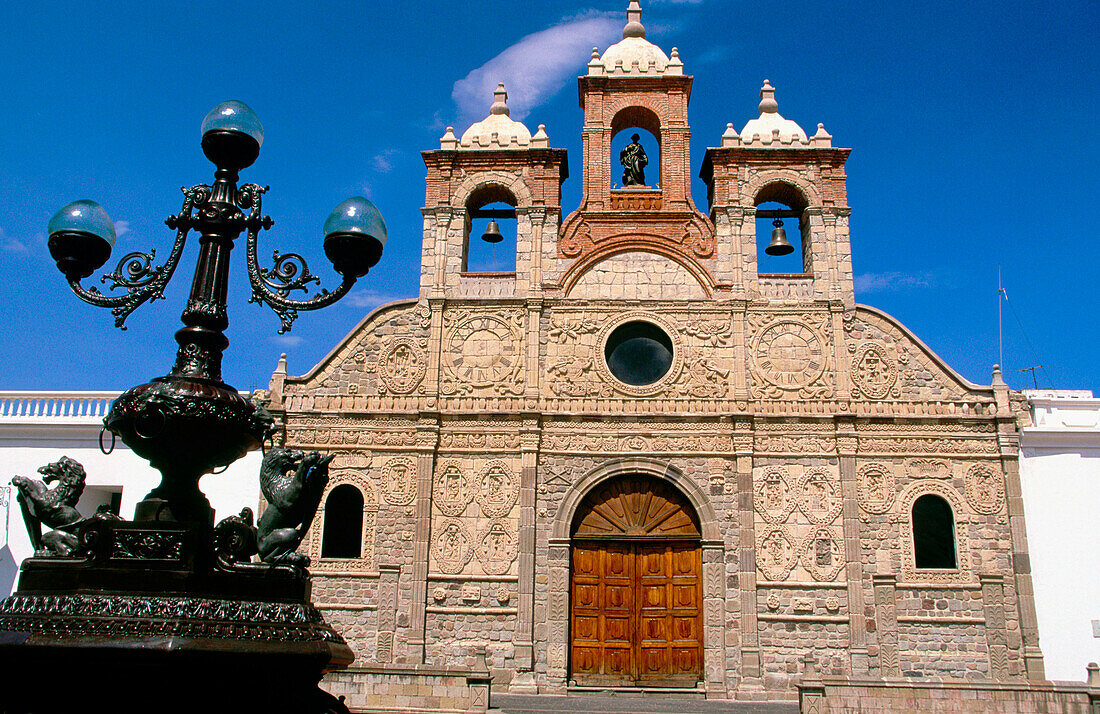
point(12, 245)
point(383, 162)
point(889, 282)
point(370, 299)
point(121, 228)
point(537, 67)
point(287, 340)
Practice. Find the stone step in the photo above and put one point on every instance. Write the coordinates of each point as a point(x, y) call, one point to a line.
point(628, 703)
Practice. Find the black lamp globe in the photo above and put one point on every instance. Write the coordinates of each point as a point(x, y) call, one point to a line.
point(232, 135)
point(354, 237)
point(81, 238)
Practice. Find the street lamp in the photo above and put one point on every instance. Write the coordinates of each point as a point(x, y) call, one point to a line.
point(169, 612)
point(189, 422)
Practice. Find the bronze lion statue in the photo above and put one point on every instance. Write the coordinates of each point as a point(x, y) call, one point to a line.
point(54, 507)
point(293, 482)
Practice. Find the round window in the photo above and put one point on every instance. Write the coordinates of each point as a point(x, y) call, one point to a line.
point(638, 353)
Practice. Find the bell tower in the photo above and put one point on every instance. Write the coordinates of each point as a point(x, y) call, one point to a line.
point(772, 161)
point(634, 87)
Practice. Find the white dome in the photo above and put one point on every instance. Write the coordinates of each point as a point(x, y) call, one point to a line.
point(763, 129)
point(634, 54)
point(496, 131)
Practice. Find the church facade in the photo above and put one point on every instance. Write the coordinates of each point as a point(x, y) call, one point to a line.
point(639, 461)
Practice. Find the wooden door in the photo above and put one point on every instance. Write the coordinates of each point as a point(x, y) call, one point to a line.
point(636, 588)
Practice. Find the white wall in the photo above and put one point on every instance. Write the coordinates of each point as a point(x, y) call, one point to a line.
point(1060, 475)
point(39, 428)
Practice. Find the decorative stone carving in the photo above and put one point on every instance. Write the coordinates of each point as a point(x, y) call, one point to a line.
point(453, 490)
point(817, 496)
point(985, 490)
point(571, 377)
point(365, 561)
point(876, 488)
point(927, 468)
point(822, 554)
point(484, 351)
point(703, 380)
point(711, 332)
point(402, 365)
point(399, 481)
point(832, 603)
point(471, 593)
point(874, 372)
point(775, 553)
point(565, 330)
point(503, 594)
point(496, 548)
point(773, 602)
point(788, 356)
point(451, 548)
point(499, 489)
point(439, 594)
point(772, 495)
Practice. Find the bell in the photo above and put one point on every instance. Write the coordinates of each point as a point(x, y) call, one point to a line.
point(779, 244)
point(492, 233)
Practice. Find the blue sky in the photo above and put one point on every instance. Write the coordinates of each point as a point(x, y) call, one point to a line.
point(973, 129)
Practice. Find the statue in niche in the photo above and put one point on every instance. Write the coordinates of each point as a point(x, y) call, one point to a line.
point(634, 161)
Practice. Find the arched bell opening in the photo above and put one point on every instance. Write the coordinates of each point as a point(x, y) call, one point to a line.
point(782, 230)
point(491, 229)
point(636, 586)
point(636, 149)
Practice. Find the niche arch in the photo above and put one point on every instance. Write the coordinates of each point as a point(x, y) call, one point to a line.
point(364, 562)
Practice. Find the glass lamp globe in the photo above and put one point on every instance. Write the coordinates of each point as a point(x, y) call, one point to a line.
point(232, 135)
point(81, 238)
point(354, 236)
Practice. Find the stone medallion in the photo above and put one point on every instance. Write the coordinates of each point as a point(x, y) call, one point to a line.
point(496, 548)
point(873, 371)
point(451, 548)
point(775, 553)
point(498, 489)
point(876, 488)
point(402, 365)
point(481, 351)
point(822, 554)
point(984, 489)
point(772, 496)
point(818, 497)
point(399, 481)
point(453, 490)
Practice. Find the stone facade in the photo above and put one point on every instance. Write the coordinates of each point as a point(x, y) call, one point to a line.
point(802, 428)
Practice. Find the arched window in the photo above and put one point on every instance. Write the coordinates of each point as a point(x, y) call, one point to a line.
point(485, 250)
point(933, 533)
point(781, 205)
point(343, 524)
point(636, 143)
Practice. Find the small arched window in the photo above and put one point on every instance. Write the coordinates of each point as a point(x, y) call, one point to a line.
point(343, 525)
point(491, 231)
point(933, 534)
point(780, 205)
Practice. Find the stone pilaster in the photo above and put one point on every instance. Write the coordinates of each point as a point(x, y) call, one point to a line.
point(996, 632)
point(849, 486)
point(886, 624)
point(427, 440)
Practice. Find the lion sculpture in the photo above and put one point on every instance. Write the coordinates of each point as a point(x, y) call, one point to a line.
point(56, 507)
point(293, 482)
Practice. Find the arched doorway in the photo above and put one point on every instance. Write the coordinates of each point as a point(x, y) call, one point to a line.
point(636, 586)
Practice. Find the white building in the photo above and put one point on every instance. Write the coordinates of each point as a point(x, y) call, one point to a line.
point(37, 428)
point(1060, 474)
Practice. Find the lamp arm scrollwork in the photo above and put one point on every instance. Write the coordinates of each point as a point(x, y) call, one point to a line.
point(135, 271)
point(289, 272)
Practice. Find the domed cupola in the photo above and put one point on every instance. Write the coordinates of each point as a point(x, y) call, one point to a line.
point(770, 126)
point(634, 55)
point(496, 131)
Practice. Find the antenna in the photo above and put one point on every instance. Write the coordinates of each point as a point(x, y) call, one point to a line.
point(1000, 318)
point(1033, 370)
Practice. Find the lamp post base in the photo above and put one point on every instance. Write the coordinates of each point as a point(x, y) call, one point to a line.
point(154, 618)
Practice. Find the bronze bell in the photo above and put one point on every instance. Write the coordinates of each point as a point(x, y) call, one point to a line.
point(492, 233)
point(779, 244)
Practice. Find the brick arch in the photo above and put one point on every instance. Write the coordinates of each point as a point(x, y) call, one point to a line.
point(656, 468)
point(582, 266)
point(805, 190)
point(481, 182)
point(635, 102)
point(635, 114)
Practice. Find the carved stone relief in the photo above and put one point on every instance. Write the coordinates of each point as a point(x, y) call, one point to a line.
point(774, 500)
point(788, 359)
point(402, 364)
point(985, 490)
point(775, 553)
point(498, 489)
point(874, 372)
point(927, 468)
point(818, 497)
point(876, 488)
point(453, 490)
point(484, 351)
point(822, 553)
point(704, 380)
point(497, 547)
point(399, 481)
point(451, 547)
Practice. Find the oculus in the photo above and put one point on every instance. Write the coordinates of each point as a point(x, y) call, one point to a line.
point(638, 353)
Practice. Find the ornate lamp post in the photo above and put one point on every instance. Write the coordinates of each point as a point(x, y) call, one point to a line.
point(170, 599)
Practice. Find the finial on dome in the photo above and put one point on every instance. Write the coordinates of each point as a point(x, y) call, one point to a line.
point(500, 101)
point(634, 27)
point(595, 53)
point(768, 105)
